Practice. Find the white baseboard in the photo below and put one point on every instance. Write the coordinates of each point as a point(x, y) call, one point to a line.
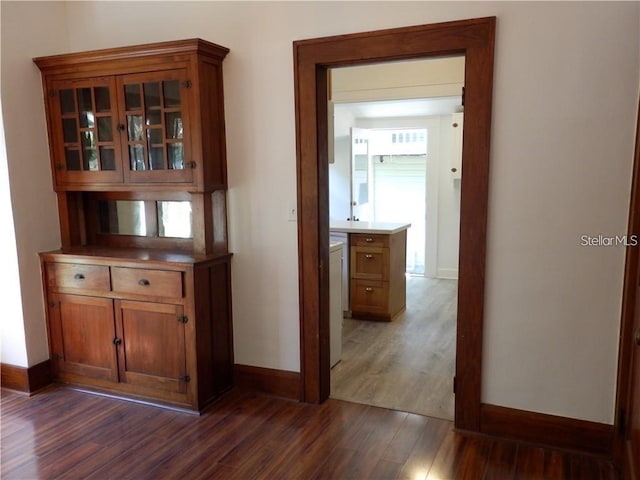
point(448, 273)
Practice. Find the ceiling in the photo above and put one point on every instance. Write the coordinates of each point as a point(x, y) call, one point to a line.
point(400, 108)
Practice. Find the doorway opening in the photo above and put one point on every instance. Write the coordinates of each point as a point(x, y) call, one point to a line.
point(390, 163)
point(312, 60)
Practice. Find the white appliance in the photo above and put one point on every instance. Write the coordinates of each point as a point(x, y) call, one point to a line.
point(335, 302)
point(341, 237)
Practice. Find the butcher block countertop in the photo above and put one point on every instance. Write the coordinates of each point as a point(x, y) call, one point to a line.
point(367, 227)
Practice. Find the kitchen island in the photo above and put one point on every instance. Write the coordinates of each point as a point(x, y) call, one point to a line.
point(376, 267)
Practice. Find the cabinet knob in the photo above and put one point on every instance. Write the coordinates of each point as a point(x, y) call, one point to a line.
point(59, 166)
point(454, 169)
point(78, 276)
point(368, 239)
point(455, 125)
point(368, 289)
point(144, 282)
point(121, 127)
point(368, 256)
point(117, 341)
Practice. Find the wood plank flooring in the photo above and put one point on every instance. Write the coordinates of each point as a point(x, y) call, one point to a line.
point(409, 363)
point(66, 434)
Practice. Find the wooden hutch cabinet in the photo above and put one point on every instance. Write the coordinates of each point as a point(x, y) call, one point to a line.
point(138, 296)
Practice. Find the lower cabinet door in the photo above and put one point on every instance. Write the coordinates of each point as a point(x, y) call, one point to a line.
point(151, 345)
point(82, 336)
point(369, 297)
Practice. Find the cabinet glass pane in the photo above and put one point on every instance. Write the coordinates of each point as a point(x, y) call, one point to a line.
point(171, 90)
point(67, 105)
point(154, 117)
point(84, 100)
point(90, 158)
point(136, 155)
point(154, 136)
point(72, 156)
point(132, 97)
point(88, 140)
point(107, 158)
point(156, 158)
point(176, 156)
point(134, 127)
point(151, 94)
point(69, 130)
point(103, 102)
point(105, 129)
point(87, 120)
point(173, 124)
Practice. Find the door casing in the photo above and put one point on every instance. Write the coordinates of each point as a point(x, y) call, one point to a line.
point(626, 356)
point(313, 58)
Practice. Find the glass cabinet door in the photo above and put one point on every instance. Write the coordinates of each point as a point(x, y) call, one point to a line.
point(156, 144)
point(85, 131)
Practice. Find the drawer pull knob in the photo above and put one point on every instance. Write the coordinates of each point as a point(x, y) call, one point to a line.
point(79, 276)
point(368, 289)
point(368, 256)
point(144, 282)
point(117, 341)
point(368, 239)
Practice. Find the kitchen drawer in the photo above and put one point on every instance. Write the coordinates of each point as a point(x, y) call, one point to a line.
point(370, 263)
point(78, 276)
point(369, 240)
point(369, 296)
point(140, 281)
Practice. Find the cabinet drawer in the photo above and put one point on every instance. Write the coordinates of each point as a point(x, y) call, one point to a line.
point(369, 296)
point(77, 276)
point(139, 281)
point(370, 263)
point(369, 240)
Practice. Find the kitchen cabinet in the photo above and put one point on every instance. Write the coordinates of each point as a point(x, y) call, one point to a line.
point(78, 325)
point(377, 272)
point(139, 293)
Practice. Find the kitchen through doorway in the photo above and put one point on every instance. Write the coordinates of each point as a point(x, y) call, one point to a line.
point(395, 160)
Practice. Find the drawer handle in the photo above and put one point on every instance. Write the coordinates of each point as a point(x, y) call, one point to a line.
point(368, 289)
point(144, 282)
point(78, 276)
point(368, 256)
point(368, 239)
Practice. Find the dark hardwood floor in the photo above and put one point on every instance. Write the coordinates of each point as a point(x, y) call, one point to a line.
point(66, 434)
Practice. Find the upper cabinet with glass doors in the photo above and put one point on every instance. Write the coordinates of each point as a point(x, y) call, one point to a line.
point(134, 117)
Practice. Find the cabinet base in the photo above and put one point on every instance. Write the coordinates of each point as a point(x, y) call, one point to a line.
point(130, 398)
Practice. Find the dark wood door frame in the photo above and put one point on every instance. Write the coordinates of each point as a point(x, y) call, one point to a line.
point(312, 60)
point(629, 302)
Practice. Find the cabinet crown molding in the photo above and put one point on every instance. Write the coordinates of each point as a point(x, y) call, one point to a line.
point(176, 47)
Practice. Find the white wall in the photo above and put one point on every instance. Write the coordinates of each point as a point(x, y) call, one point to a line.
point(13, 348)
point(26, 34)
point(566, 84)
